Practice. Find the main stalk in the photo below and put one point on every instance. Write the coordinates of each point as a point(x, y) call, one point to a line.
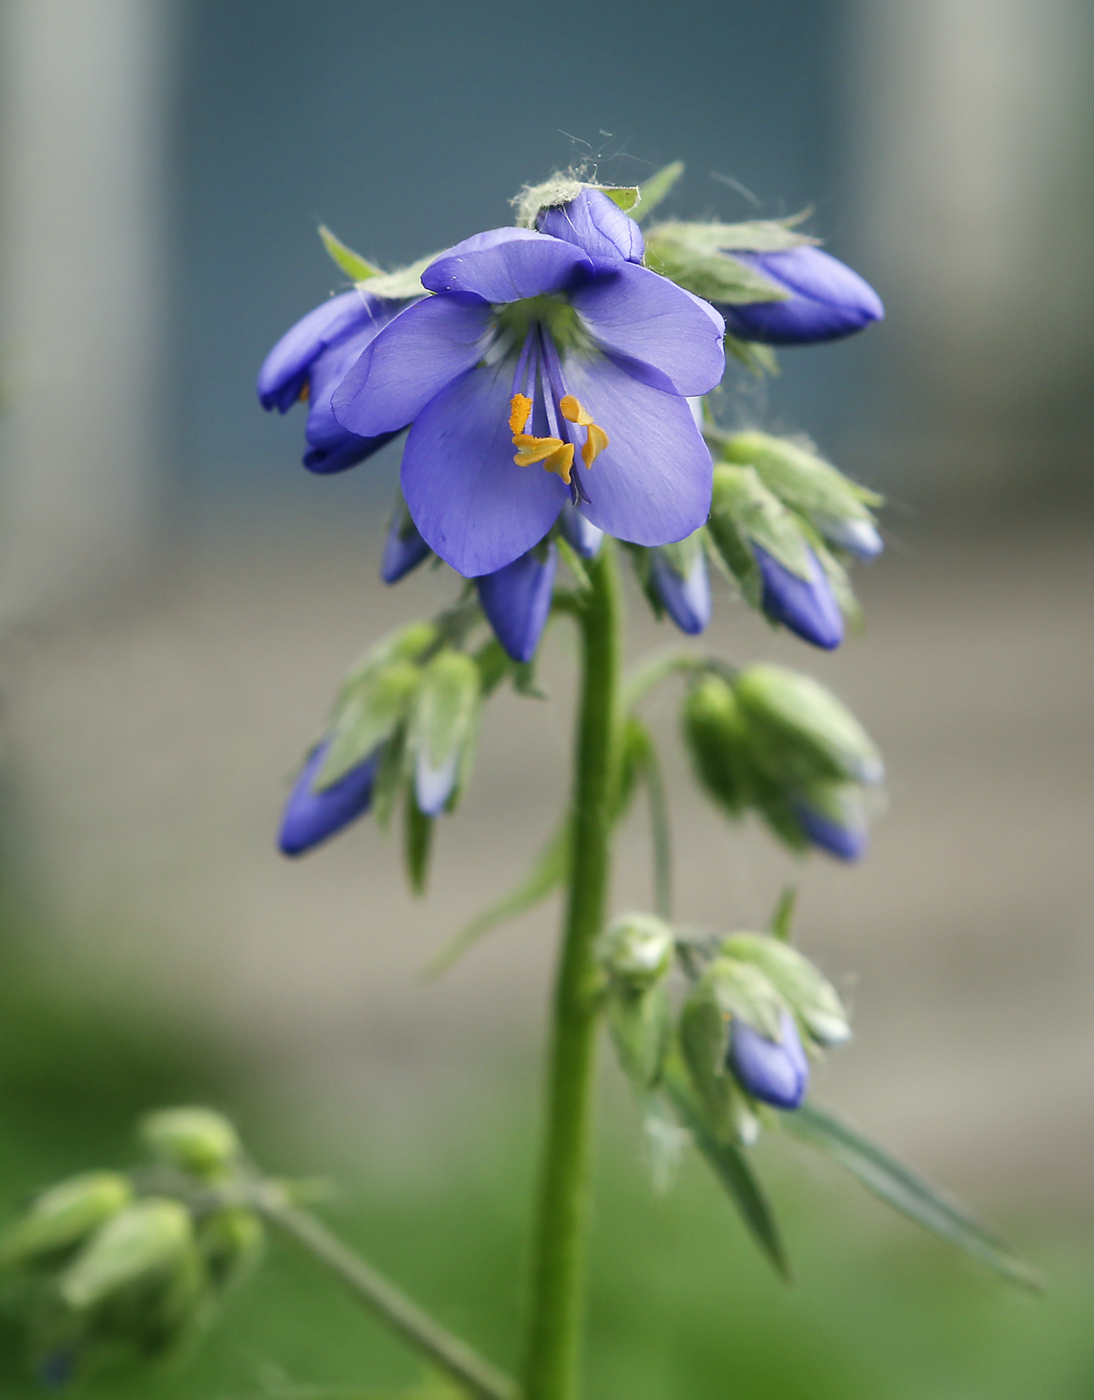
point(559, 1242)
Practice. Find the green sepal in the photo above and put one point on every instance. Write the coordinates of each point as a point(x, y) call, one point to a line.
point(744, 991)
point(551, 194)
point(703, 1037)
point(800, 477)
point(548, 872)
point(145, 1241)
point(757, 358)
point(231, 1241)
point(390, 776)
point(575, 564)
point(446, 706)
point(743, 509)
point(196, 1140)
point(494, 665)
point(63, 1217)
point(356, 268)
point(909, 1193)
point(417, 842)
point(801, 732)
point(754, 236)
point(628, 197)
point(378, 707)
point(655, 189)
point(717, 739)
point(676, 253)
point(404, 283)
point(809, 995)
point(639, 1022)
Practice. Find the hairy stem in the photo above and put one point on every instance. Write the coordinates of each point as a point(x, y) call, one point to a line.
point(559, 1240)
point(447, 1352)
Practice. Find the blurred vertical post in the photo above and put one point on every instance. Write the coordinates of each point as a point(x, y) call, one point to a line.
point(83, 115)
point(968, 122)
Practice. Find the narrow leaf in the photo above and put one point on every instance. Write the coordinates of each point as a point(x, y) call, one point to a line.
point(732, 1168)
point(783, 917)
point(417, 843)
point(545, 876)
point(909, 1193)
point(357, 268)
point(654, 190)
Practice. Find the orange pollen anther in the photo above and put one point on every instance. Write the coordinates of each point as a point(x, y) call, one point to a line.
point(556, 455)
point(520, 410)
point(305, 392)
point(596, 439)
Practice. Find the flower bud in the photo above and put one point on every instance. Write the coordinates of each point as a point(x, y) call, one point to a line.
point(404, 548)
point(636, 950)
point(517, 600)
point(809, 995)
point(805, 606)
point(63, 1217)
point(313, 815)
point(579, 532)
point(143, 1243)
point(230, 1241)
point(683, 586)
point(808, 734)
point(832, 817)
point(445, 714)
point(824, 299)
point(197, 1140)
point(773, 1069)
point(597, 225)
point(716, 734)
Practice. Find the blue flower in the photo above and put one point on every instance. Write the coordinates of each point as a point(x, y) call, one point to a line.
point(531, 344)
point(310, 817)
point(310, 361)
point(686, 597)
point(826, 299)
point(517, 600)
point(807, 606)
point(597, 225)
point(775, 1072)
point(404, 548)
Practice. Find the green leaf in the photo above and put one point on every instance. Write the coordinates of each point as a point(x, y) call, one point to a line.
point(402, 284)
point(909, 1193)
point(717, 277)
point(783, 917)
point(545, 876)
point(626, 196)
point(654, 190)
point(417, 842)
point(357, 268)
point(732, 1168)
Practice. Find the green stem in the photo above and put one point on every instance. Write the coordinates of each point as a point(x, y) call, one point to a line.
point(559, 1239)
point(452, 1355)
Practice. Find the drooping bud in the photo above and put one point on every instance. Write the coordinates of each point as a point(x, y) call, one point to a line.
point(313, 815)
point(824, 299)
point(231, 1242)
point(809, 995)
point(679, 577)
point(716, 734)
point(445, 714)
point(196, 1140)
point(517, 600)
point(404, 548)
point(596, 224)
point(773, 1069)
point(146, 1241)
point(63, 1217)
point(636, 951)
point(805, 606)
point(579, 532)
point(832, 817)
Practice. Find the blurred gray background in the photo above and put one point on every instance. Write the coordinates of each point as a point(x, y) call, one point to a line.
point(180, 598)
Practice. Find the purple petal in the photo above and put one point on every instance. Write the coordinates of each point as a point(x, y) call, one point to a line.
point(775, 1072)
point(505, 264)
point(411, 361)
point(473, 505)
point(580, 534)
point(597, 225)
point(404, 549)
point(827, 300)
point(285, 369)
point(686, 600)
point(665, 336)
point(517, 601)
point(845, 842)
point(311, 817)
point(807, 607)
point(332, 448)
point(651, 484)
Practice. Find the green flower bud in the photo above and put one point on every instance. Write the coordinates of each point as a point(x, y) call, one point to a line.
point(809, 995)
point(231, 1243)
point(197, 1140)
point(145, 1243)
point(636, 951)
point(446, 712)
point(802, 732)
point(801, 479)
point(743, 513)
point(717, 737)
point(63, 1217)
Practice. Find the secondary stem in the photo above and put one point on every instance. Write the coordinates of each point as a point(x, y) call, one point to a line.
point(449, 1353)
point(559, 1239)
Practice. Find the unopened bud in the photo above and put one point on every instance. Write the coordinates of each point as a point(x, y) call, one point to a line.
point(716, 734)
point(230, 1241)
point(197, 1140)
point(806, 991)
point(636, 951)
point(445, 715)
point(145, 1242)
point(63, 1217)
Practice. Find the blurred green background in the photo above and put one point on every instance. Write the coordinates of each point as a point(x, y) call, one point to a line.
point(178, 600)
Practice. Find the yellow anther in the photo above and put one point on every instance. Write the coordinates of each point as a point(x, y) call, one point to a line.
point(556, 455)
point(305, 392)
point(520, 410)
point(574, 412)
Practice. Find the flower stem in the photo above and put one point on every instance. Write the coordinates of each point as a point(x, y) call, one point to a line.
point(447, 1352)
point(559, 1240)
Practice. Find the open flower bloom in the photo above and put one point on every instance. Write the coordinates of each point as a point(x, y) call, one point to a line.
point(686, 597)
point(309, 362)
point(312, 816)
point(774, 1071)
point(825, 299)
point(517, 601)
point(807, 606)
point(535, 376)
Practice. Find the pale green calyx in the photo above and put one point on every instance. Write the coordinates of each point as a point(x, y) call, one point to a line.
point(636, 950)
point(62, 1217)
point(560, 189)
point(446, 706)
point(809, 995)
point(197, 1140)
point(801, 478)
point(403, 284)
point(357, 268)
point(742, 510)
point(147, 1240)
